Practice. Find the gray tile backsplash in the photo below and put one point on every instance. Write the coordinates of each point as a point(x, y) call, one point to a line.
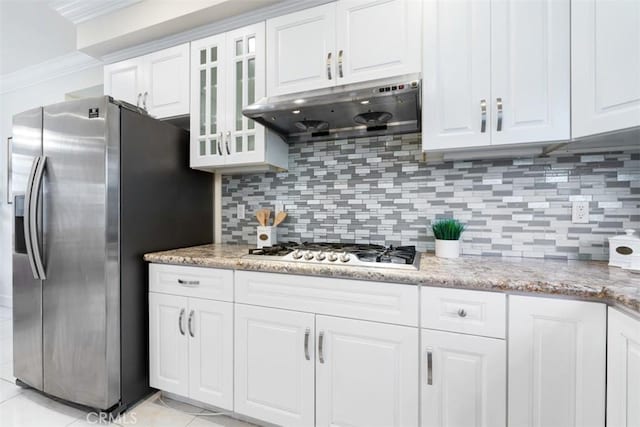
point(378, 190)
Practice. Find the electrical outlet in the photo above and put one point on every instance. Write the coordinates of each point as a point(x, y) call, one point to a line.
point(580, 213)
point(240, 211)
point(278, 206)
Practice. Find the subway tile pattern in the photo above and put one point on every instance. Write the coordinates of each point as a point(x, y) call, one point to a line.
point(379, 190)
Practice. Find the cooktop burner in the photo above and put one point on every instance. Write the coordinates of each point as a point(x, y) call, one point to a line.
point(355, 254)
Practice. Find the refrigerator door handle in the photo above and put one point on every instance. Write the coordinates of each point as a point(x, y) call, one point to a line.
point(33, 217)
point(27, 215)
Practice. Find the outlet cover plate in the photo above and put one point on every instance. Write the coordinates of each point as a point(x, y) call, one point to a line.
point(580, 212)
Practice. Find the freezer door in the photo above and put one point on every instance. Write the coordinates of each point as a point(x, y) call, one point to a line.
point(27, 290)
point(81, 304)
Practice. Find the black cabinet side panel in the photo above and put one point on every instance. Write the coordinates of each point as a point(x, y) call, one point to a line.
point(163, 205)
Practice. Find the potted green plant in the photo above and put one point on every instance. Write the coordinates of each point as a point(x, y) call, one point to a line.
point(447, 233)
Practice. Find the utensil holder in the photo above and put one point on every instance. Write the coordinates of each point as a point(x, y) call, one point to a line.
point(266, 236)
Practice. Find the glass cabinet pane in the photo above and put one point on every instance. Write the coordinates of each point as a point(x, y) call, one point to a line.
point(203, 57)
point(203, 147)
point(238, 47)
point(251, 86)
point(238, 144)
point(251, 143)
point(214, 99)
point(203, 100)
point(251, 44)
point(239, 95)
point(213, 149)
point(214, 54)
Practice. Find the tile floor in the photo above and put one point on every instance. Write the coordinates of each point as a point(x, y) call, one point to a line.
point(26, 408)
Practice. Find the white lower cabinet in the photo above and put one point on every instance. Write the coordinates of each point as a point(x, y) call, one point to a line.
point(274, 365)
point(464, 380)
point(191, 348)
point(557, 362)
point(623, 370)
point(301, 369)
point(366, 374)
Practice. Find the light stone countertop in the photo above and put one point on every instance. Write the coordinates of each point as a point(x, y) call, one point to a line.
point(589, 280)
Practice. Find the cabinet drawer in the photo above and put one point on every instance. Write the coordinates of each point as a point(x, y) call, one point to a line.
point(382, 302)
point(200, 282)
point(469, 312)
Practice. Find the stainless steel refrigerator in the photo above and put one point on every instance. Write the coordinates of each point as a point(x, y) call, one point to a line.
point(95, 184)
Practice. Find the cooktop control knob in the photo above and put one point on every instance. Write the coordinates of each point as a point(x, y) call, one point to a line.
point(320, 256)
point(332, 257)
point(296, 254)
point(344, 257)
point(308, 255)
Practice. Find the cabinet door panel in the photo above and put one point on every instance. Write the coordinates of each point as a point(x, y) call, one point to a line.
point(530, 72)
point(168, 343)
point(299, 45)
point(369, 376)
point(605, 75)
point(377, 39)
point(468, 386)
point(210, 326)
point(274, 381)
point(123, 81)
point(207, 121)
point(623, 370)
point(556, 362)
point(456, 74)
point(244, 140)
point(168, 82)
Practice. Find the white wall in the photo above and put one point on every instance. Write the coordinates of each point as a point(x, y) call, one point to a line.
point(43, 93)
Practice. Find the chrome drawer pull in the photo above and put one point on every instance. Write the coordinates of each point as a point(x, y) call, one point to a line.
point(429, 368)
point(499, 106)
point(340, 74)
point(306, 344)
point(321, 347)
point(189, 324)
point(483, 111)
point(462, 312)
point(189, 282)
point(329, 66)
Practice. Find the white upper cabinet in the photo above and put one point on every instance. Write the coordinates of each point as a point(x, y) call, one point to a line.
point(301, 49)
point(530, 71)
point(623, 370)
point(456, 74)
point(464, 380)
point(605, 75)
point(343, 42)
point(158, 82)
point(557, 362)
point(495, 72)
point(366, 374)
point(227, 74)
point(376, 39)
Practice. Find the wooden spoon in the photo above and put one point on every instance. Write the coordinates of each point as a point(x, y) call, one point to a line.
point(280, 216)
point(267, 216)
point(260, 216)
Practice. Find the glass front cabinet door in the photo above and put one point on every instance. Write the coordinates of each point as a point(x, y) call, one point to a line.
point(227, 74)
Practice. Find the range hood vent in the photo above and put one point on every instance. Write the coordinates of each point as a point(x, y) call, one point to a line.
point(380, 107)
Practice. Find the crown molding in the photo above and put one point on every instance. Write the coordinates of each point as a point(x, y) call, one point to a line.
point(47, 70)
point(78, 11)
point(224, 25)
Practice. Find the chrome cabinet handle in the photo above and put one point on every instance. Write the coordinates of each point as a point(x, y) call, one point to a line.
point(33, 217)
point(144, 100)
point(9, 169)
point(321, 347)
point(189, 324)
point(329, 66)
point(499, 106)
point(340, 64)
point(429, 368)
point(27, 216)
point(138, 101)
point(180, 327)
point(189, 282)
point(462, 312)
point(307, 333)
point(218, 144)
point(226, 142)
point(483, 112)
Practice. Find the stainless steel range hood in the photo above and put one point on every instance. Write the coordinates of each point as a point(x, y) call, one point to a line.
point(379, 107)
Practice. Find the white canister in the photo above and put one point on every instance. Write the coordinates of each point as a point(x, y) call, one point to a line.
point(624, 250)
point(266, 236)
point(447, 248)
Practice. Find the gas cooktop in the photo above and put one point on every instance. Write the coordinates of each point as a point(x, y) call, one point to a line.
point(353, 254)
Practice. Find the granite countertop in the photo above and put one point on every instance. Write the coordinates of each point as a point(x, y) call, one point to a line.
point(590, 280)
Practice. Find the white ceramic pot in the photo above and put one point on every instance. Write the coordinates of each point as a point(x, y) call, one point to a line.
point(266, 236)
point(448, 248)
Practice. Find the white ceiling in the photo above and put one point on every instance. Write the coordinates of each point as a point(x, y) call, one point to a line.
point(30, 33)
